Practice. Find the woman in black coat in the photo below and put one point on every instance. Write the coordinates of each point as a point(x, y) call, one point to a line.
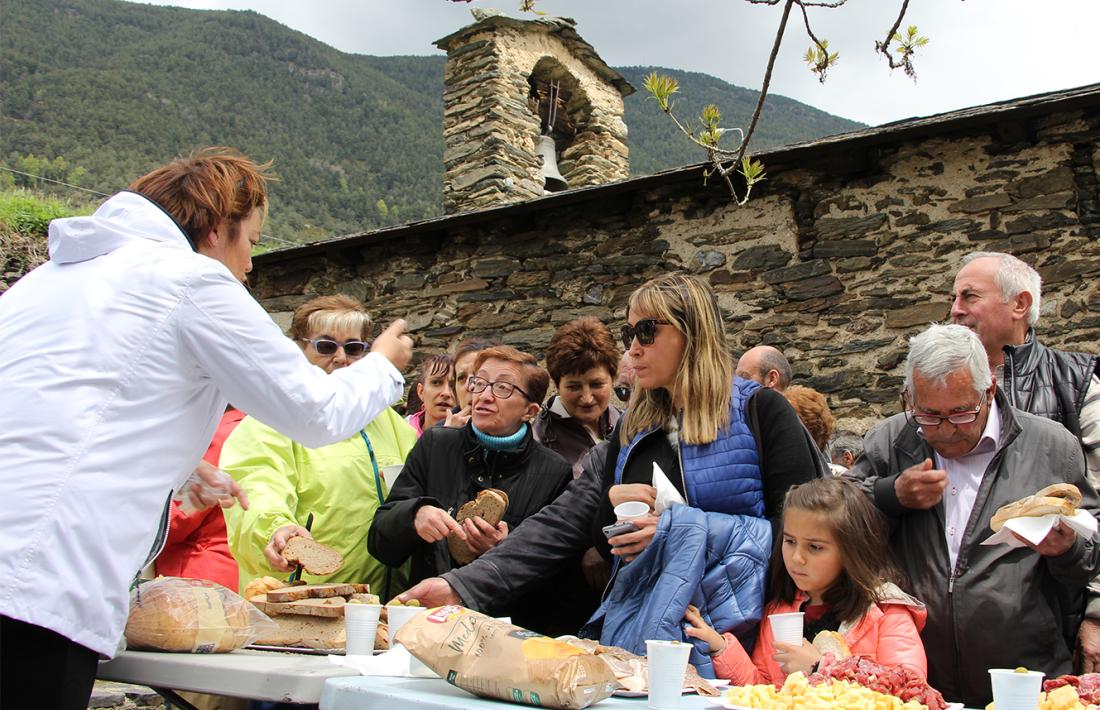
point(449, 467)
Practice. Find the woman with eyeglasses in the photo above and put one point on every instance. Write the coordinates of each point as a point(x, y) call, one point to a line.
point(340, 485)
point(725, 444)
point(583, 361)
point(449, 467)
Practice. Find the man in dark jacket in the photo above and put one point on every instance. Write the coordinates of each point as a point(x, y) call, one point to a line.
point(997, 296)
point(940, 471)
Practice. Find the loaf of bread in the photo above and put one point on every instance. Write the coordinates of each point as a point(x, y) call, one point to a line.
point(1056, 499)
point(489, 505)
point(314, 557)
point(192, 616)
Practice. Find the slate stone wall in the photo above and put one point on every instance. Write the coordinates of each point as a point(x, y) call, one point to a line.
point(840, 256)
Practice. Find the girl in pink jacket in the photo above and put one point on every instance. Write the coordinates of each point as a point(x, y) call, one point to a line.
point(838, 570)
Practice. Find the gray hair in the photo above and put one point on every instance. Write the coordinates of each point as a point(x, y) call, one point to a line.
point(845, 442)
point(1013, 277)
point(943, 349)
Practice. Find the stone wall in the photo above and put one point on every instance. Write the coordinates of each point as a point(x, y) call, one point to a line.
point(489, 128)
point(849, 248)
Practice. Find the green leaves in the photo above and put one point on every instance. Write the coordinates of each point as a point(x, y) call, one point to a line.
point(820, 59)
point(661, 87)
point(710, 118)
point(752, 171)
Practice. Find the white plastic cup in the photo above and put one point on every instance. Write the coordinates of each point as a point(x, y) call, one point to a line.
point(397, 616)
point(631, 510)
point(1015, 691)
point(361, 627)
point(787, 628)
point(666, 665)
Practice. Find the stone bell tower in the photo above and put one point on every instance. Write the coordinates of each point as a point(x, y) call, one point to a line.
point(510, 82)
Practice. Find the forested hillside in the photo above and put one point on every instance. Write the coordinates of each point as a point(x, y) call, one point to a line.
point(116, 88)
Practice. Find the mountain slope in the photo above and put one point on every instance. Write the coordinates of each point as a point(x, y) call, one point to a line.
point(117, 88)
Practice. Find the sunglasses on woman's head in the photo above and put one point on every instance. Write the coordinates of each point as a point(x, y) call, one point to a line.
point(326, 347)
point(644, 330)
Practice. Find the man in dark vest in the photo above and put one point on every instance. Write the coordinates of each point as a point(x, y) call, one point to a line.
point(997, 296)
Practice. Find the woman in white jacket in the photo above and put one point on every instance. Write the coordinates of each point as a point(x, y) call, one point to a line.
point(119, 355)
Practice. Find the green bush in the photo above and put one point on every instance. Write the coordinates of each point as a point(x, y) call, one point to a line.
point(30, 215)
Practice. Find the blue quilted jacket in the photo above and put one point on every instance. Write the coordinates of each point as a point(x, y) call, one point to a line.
point(715, 561)
point(722, 476)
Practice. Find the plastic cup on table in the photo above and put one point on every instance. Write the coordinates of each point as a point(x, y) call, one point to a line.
point(787, 628)
point(361, 627)
point(631, 510)
point(666, 665)
point(397, 616)
point(1015, 690)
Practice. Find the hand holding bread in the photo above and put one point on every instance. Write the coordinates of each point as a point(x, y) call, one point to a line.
point(273, 552)
point(1056, 499)
point(477, 537)
point(433, 524)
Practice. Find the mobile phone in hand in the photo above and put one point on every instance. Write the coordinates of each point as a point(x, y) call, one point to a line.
point(620, 528)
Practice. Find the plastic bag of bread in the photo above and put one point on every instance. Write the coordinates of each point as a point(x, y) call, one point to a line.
point(496, 659)
point(192, 616)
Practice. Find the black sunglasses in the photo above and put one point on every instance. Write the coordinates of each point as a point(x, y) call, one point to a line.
point(644, 330)
point(326, 347)
point(622, 392)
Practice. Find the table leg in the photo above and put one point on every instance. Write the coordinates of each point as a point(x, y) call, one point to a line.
point(173, 699)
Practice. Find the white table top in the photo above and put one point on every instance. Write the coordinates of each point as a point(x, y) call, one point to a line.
point(256, 675)
point(368, 693)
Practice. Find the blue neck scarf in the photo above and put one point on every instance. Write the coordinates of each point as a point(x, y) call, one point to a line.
point(512, 442)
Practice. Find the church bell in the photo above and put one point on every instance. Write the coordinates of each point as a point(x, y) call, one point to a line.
point(552, 179)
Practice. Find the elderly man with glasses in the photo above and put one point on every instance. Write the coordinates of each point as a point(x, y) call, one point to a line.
point(939, 471)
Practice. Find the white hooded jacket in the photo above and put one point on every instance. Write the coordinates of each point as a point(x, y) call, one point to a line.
point(119, 355)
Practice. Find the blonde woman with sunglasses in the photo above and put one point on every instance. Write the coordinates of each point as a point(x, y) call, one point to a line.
point(728, 447)
point(340, 485)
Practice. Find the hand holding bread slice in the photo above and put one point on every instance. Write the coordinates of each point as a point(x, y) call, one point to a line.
point(1056, 499)
point(489, 505)
point(314, 557)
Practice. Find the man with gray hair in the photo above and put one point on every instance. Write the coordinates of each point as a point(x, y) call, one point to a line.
point(844, 448)
point(998, 296)
point(939, 471)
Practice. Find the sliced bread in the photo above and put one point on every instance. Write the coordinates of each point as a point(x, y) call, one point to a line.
point(314, 557)
point(490, 506)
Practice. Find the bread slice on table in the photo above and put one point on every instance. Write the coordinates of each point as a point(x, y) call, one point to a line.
point(314, 557)
point(1056, 499)
point(489, 505)
point(310, 591)
point(327, 606)
point(315, 632)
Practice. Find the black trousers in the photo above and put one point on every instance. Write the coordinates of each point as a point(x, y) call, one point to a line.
point(42, 669)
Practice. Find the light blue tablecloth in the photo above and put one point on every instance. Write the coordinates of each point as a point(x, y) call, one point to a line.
point(382, 693)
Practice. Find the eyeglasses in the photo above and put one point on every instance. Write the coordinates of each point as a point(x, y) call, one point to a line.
point(500, 390)
point(644, 330)
point(622, 392)
point(956, 418)
point(352, 348)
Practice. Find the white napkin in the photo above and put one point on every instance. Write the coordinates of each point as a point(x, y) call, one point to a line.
point(666, 492)
point(1034, 529)
point(395, 662)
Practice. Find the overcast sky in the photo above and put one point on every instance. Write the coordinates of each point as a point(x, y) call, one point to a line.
point(980, 51)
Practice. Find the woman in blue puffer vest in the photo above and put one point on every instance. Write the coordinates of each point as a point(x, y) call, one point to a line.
point(728, 446)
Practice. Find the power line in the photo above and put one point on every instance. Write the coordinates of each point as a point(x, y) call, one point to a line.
point(40, 177)
point(95, 192)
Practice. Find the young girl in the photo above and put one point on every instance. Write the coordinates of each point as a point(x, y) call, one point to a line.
point(838, 570)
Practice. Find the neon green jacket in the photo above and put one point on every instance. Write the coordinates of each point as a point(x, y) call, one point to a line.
point(285, 482)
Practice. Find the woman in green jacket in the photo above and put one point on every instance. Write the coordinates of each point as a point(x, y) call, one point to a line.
point(340, 485)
